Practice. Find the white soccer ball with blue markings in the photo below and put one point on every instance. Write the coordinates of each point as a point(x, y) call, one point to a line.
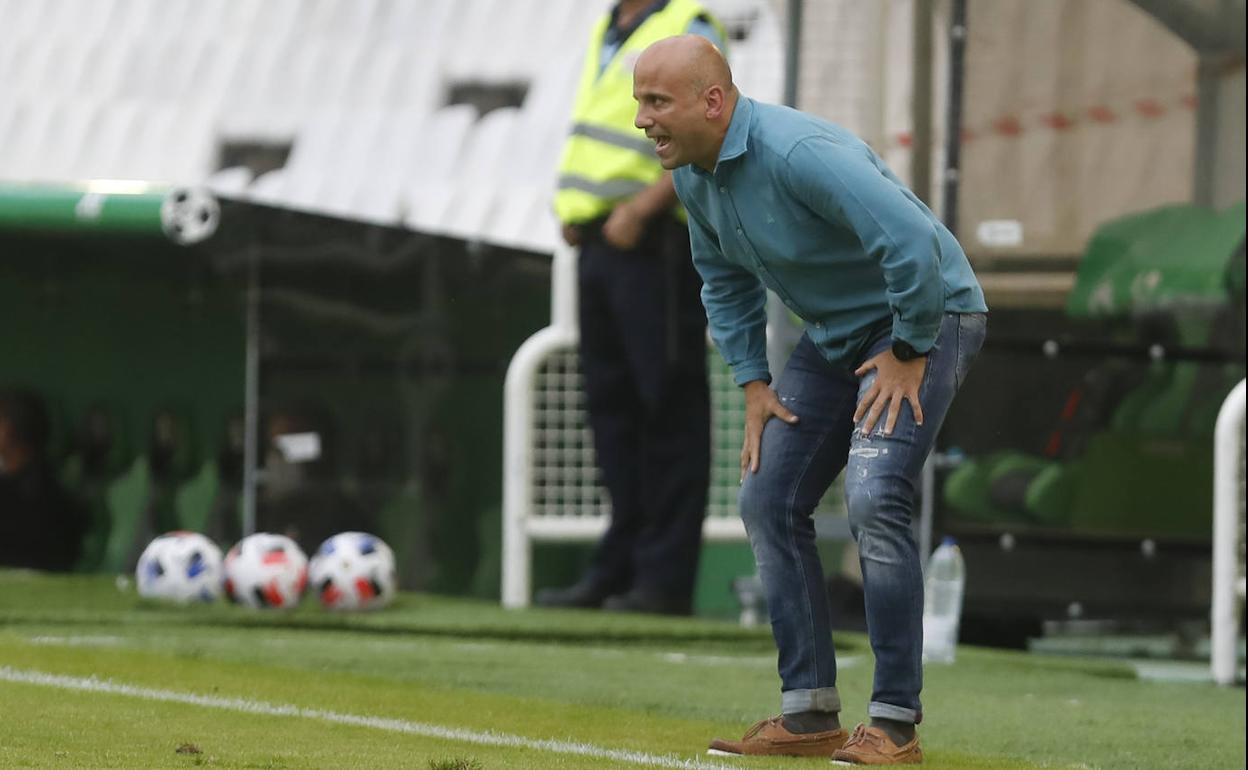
point(182, 567)
point(353, 571)
point(266, 571)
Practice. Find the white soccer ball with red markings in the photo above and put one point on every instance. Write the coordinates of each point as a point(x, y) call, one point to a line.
point(266, 571)
point(180, 567)
point(353, 571)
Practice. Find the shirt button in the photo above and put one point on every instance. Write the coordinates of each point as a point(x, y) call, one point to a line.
point(723, 189)
point(740, 231)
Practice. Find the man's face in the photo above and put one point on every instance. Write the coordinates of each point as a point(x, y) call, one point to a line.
point(671, 114)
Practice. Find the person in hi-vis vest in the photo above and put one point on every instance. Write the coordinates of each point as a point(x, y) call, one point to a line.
point(643, 328)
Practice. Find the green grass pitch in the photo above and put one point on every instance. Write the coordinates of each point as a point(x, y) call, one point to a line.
point(93, 677)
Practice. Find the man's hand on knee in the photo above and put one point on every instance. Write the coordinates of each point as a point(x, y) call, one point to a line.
point(895, 381)
point(761, 404)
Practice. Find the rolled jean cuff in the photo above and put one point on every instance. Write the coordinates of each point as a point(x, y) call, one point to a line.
point(895, 713)
point(821, 699)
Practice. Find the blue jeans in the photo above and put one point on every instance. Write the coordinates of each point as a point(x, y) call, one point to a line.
point(797, 465)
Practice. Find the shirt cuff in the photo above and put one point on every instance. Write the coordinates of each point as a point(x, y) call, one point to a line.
point(921, 340)
point(751, 372)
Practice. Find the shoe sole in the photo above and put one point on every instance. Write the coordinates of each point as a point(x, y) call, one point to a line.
point(722, 753)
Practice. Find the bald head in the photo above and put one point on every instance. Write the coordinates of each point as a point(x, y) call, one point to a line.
point(691, 59)
point(685, 99)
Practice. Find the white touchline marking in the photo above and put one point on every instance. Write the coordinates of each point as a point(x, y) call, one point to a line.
point(76, 641)
point(479, 737)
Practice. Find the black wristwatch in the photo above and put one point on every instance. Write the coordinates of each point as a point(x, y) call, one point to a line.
point(904, 351)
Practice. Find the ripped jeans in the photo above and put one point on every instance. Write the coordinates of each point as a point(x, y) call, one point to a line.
point(797, 465)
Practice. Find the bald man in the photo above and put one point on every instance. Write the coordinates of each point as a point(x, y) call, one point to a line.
point(893, 318)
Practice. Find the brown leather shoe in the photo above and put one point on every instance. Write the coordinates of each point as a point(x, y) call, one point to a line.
point(770, 738)
point(872, 746)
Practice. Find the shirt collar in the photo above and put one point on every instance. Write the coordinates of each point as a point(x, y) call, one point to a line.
point(737, 139)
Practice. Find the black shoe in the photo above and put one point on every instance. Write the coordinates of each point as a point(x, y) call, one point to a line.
point(650, 603)
point(585, 595)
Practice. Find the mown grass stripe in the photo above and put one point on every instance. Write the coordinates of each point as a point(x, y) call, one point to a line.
point(483, 738)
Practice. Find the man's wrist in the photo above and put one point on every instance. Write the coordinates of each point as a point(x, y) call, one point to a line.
point(754, 386)
point(904, 351)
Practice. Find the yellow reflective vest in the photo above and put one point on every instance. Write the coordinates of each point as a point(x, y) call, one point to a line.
point(607, 159)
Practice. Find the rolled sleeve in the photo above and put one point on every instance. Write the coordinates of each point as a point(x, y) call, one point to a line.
point(842, 185)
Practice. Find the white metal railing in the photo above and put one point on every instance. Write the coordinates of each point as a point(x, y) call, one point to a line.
point(1228, 536)
point(551, 487)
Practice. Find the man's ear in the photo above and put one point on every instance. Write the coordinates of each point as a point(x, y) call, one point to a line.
point(714, 102)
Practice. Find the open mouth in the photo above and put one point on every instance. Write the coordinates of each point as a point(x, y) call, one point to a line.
point(661, 143)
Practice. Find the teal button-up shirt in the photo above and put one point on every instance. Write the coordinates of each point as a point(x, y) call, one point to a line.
point(808, 210)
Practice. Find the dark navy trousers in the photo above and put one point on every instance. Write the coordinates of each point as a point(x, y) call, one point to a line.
point(643, 357)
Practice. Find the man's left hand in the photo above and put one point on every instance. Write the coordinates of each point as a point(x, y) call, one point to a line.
point(895, 381)
point(624, 227)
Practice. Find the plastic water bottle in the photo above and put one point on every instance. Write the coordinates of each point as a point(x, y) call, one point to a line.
point(753, 604)
point(942, 602)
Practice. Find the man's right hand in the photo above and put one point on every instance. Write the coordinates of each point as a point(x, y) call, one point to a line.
point(761, 404)
point(571, 235)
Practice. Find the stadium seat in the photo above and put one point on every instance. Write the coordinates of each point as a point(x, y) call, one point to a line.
point(386, 167)
point(99, 453)
point(466, 211)
point(21, 159)
point(194, 500)
point(188, 150)
point(105, 68)
point(267, 188)
point(127, 501)
point(22, 20)
point(488, 56)
point(432, 165)
point(141, 502)
point(230, 182)
point(349, 169)
point(274, 19)
point(105, 155)
point(63, 139)
point(335, 19)
point(246, 112)
point(312, 152)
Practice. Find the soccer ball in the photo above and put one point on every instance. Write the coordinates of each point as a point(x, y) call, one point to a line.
point(265, 571)
point(353, 571)
point(180, 566)
point(189, 215)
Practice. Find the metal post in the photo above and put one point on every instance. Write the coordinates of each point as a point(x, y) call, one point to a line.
point(251, 395)
point(782, 334)
point(927, 509)
point(953, 144)
point(1207, 109)
point(793, 52)
point(564, 288)
point(953, 114)
point(1228, 585)
point(921, 102)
